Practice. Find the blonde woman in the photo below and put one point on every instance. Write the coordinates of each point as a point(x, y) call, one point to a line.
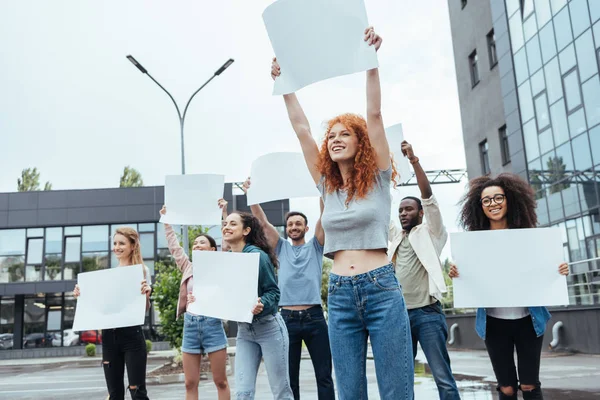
point(126, 346)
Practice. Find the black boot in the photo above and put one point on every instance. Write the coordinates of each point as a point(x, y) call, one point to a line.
point(535, 394)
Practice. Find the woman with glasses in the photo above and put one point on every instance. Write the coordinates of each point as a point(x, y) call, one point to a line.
point(507, 202)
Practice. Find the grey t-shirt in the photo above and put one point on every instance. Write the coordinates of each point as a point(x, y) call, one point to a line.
point(300, 269)
point(413, 276)
point(364, 223)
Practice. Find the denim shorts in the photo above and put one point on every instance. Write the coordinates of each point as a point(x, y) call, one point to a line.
point(202, 335)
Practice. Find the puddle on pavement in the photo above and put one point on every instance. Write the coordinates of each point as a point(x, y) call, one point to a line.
point(474, 389)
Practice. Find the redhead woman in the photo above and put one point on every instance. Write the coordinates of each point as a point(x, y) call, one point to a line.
point(353, 171)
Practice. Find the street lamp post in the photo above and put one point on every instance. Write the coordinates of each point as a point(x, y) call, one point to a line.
point(181, 119)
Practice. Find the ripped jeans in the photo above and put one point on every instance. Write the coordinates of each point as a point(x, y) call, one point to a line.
point(266, 337)
point(124, 347)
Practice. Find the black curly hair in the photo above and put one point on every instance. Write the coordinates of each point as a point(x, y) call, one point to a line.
point(520, 199)
point(257, 236)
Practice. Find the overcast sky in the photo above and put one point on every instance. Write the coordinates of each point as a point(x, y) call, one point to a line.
point(75, 108)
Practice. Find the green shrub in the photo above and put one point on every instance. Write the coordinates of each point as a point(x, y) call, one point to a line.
point(90, 350)
point(148, 346)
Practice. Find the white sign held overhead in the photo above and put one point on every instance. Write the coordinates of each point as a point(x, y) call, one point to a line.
point(278, 176)
point(110, 298)
point(225, 285)
point(316, 40)
point(395, 136)
point(193, 199)
point(509, 268)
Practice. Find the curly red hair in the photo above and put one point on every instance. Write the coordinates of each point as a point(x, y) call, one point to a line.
point(365, 169)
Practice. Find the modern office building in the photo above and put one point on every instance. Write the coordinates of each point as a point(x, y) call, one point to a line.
point(47, 238)
point(529, 91)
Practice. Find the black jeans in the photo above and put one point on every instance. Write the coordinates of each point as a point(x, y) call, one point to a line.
point(309, 325)
point(501, 338)
point(124, 347)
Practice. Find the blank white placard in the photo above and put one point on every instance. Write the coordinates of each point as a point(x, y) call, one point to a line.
point(277, 176)
point(395, 136)
point(193, 199)
point(317, 39)
point(110, 298)
point(225, 285)
point(509, 268)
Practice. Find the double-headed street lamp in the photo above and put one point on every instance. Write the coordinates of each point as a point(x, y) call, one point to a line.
point(181, 118)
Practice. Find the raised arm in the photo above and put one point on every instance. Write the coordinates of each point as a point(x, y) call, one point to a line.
point(375, 125)
point(223, 206)
point(181, 259)
point(319, 232)
point(301, 127)
point(422, 181)
point(270, 232)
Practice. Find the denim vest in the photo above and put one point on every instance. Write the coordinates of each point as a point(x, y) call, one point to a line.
point(539, 317)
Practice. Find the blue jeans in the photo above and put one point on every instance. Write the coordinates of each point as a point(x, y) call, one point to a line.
point(266, 337)
point(310, 326)
point(370, 304)
point(428, 327)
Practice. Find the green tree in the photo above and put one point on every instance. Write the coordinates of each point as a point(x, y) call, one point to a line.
point(558, 172)
point(30, 181)
point(131, 178)
point(327, 264)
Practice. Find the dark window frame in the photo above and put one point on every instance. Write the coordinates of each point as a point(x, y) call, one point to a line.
point(575, 70)
point(492, 53)
point(463, 4)
point(484, 157)
point(537, 119)
point(473, 68)
point(504, 148)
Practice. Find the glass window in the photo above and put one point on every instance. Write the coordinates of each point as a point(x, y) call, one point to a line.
point(516, 32)
point(12, 242)
point(534, 57)
point(484, 155)
point(542, 11)
point(537, 83)
point(564, 160)
point(596, 29)
point(34, 318)
point(559, 122)
point(577, 123)
point(73, 249)
point(52, 267)
point(71, 270)
point(567, 59)
point(53, 240)
point(541, 112)
point(69, 311)
point(553, 81)
point(546, 142)
point(527, 8)
point(146, 227)
point(161, 238)
point(491, 42)
point(531, 143)
point(473, 60)
point(95, 261)
point(591, 96)
point(570, 194)
point(35, 232)
point(33, 273)
point(113, 228)
point(586, 56)
point(147, 245)
point(35, 248)
point(529, 28)
point(526, 102)
point(594, 10)
point(547, 43)
point(580, 18)
point(504, 145)
point(562, 28)
point(7, 314)
point(557, 5)
point(595, 146)
point(12, 269)
point(581, 152)
point(95, 238)
point(72, 230)
point(572, 92)
point(150, 265)
point(521, 71)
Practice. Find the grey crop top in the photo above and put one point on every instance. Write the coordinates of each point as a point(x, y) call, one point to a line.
point(364, 224)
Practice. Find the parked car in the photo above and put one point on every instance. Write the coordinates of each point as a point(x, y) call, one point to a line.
point(37, 340)
point(6, 341)
point(91, 337)
point(69, 338)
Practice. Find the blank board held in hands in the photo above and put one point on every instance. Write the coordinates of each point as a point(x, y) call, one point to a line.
point(278, 176)
point(110, 298)
point(395, 137)
point(509, 268)
point(316, 40)
point(193, 199)
point(225, 285)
